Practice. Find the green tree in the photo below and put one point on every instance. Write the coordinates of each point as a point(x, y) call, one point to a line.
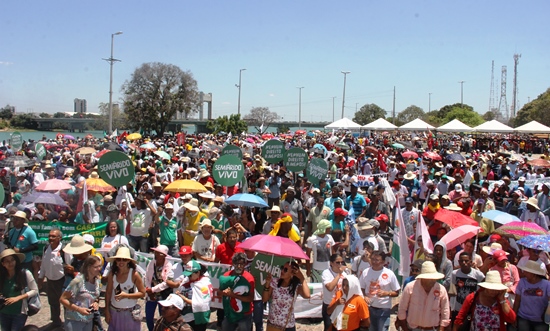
point(7, 112)
point(397, 121)
point(120, 119)
point(465, 115)
point(536, 110)
point(232, 124)
point(261, 118)
point(25, 121)
point(410, 113)
point(446, 109)
point(489, 116)
point(369, 113)
point(45, 115)
point(59, 115)
point(433, 118)
point(156, 92)
point(283, 129)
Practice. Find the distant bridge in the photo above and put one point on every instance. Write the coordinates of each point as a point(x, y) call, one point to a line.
point(79, 124)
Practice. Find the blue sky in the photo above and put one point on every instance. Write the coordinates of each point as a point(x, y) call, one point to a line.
point(52, 51)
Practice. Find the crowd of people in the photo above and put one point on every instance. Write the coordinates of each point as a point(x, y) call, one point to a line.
point(345, 222)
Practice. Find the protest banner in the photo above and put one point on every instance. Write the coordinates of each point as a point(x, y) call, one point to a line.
point(295, 159)
point(232, 150)
point(116, 168)
point(40, 151)
point(228, 170)
point(68, 230)
point(16, 141)
point(317, 169)
point(273, 151)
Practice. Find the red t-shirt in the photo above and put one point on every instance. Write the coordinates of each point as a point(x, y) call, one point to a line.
point(226, 252)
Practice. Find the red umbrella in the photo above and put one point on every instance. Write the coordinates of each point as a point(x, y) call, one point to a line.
point(540, 163)
point(73, 146)
point(408, 154)
point(100, 154)
point(300, 132)
point(274, 245)
point(89, 136)
point(371, 149)
point(432, 156)
point(453, 218)
point(267, 136)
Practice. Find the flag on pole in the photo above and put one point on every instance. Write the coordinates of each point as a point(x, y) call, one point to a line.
point(83, 197)
point(381, 163)
point(401, 258)
point(114, 134)
point(422, 230)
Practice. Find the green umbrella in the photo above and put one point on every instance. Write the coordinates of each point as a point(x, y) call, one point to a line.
point(398, 146)
point(163, 155)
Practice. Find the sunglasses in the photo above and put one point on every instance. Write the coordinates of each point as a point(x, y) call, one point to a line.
point(340, 262)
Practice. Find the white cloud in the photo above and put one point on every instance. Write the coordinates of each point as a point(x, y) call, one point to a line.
point(6, 63)
point(271, 94)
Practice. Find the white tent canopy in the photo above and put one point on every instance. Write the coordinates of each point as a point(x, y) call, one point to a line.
point(533, 127)
point(379, 124)
point(454, 126)
point(493, 126)
point(416, 124)
point(344, 123)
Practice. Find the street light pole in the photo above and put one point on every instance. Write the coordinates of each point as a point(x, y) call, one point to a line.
point(239, 86)
point(300, 106)
point(344, 93)
point(461, 94)
point(429, 102)
point(333, 108)
point(111, 60)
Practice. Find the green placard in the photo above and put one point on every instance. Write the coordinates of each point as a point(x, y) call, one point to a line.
point(232, 150)
point(16, 141)
point(264, 264)
point(317, 169)
point(273, 151)
point(296, 159)
point(116, 168)
point(2, 194)
point(40, 151)
point(228, 170)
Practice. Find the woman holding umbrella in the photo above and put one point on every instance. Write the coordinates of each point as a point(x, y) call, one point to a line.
point(282, 292)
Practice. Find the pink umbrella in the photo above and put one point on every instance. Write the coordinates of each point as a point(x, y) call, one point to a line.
point(250, 140)
point(408, 154)
point(520, 229)
point(274, 245)
point(432, 156)
point(54, 185)
point(460, 234)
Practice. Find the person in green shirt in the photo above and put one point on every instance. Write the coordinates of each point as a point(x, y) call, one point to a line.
point(168, 224)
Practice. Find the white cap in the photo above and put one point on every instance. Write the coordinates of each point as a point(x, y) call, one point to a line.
point(88, 238)
point(173, 300)
point(458, 188)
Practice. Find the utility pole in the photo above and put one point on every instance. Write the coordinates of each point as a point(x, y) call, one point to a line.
point(461, 94)
point(393, 107)
point(300, 106)
point(429, 102)
point(333, 108)
point(111, 60)
point(239, 86)
point(344, 93)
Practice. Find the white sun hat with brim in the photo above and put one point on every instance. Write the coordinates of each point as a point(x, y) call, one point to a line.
point(491, 249)
point(428, 271)
point(453, 206)
point(77, 246)
point(493, 281)
point(533, 202)
point(534, 267)
point(122, 253)
point(192, 205)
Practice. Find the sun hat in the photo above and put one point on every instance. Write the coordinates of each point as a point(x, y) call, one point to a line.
point(9, 252)
point(191, 267)
point(168, 206)
point(203, 173)
point(192, 205)
point(209, 185)
point(121, 253)
point(205, 222)
point(275, 208)
point(21, 214)
point(453, 206)
point(77, 246)
point(409, 175)
point(493, 281)
point(363, 224)
point(499, 255)
point(291, 189)
point(428, 271)
point(322, 227)
point(218, 199)
point(534, 267)
point(374, 223)
point(172, 300)
point(162, 249)
point(213, 212)
point(533, 202)
point(157, 184)
point(207, 195)
point(185, 250)
point(492, 248)
point(434, 197)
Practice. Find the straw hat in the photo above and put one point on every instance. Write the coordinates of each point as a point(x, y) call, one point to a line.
point(205, 222)
point(121, 253)
point(21, 214)
point(77, 246)
point(207, 195)
point(491, 249)
point(275, 208)
point(363, 224)
point(9, 252)
point(533, 202)
point(492, 281)
point(429, 271)
point(453, 206)
point(218, 199)
point(534, 267)
point(409, 175)
point(204, 173)
point(162, 249)
point(192, 205)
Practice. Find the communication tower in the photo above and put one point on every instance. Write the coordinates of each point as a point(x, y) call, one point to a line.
point(503, 104)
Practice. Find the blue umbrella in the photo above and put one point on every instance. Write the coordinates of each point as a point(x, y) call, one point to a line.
point(500, 217)
point(319, 148)
point(455, 157)
point(540, 242)
point(45, 198)
point(246, 200)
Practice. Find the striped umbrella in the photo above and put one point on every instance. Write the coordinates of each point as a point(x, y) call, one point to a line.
point(520, 229)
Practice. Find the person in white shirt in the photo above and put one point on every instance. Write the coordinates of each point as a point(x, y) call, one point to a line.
point(533, 214)
point(205, 244)
point(348, 179)
point(321, 244)
point(140, 220)
point(52, 269)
